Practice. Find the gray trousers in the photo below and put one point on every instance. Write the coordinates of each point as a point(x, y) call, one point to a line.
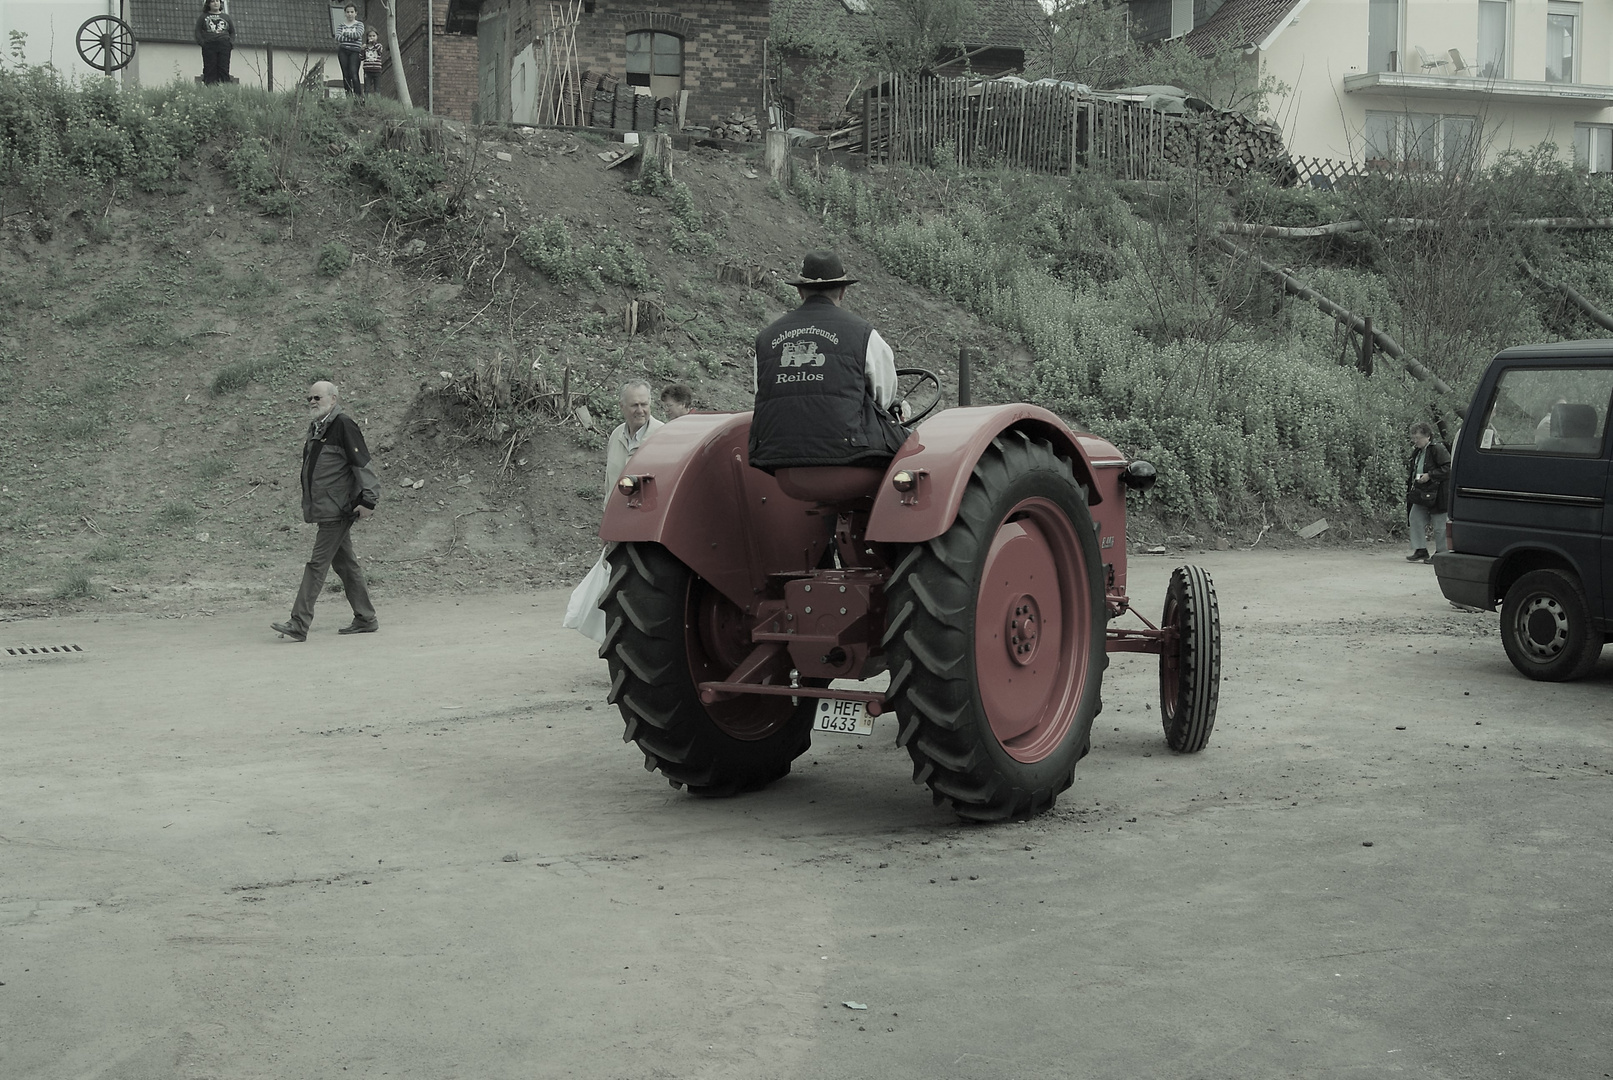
point(333, 550)
point(1422, 522)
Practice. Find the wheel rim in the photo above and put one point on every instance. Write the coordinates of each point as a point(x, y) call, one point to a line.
point(717, 636)
point(1032, 630)
point(1170, 662)
point(1542, 628)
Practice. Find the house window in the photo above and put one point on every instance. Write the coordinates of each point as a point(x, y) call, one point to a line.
point(1181, 17)
point(1494, 18)
point(1562, 42)
point(338, 14)
point(1421, 142)
point(1593, 147)
point(655, 61)
point(1383, 35)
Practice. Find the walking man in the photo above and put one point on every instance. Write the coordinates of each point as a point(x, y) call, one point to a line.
point(636, 426)
point(338, 489)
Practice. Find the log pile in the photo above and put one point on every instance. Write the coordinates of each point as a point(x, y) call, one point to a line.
point(1223, 144)
point(737, 126)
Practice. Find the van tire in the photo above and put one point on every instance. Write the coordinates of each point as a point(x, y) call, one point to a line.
point(1546, 627)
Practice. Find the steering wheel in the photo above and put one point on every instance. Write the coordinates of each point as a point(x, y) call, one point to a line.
point(911, 383)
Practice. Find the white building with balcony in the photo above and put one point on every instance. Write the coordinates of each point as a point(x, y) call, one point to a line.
point(1418, 83)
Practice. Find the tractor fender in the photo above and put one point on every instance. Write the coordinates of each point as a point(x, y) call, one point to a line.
point(942, 453)
point(700, 499)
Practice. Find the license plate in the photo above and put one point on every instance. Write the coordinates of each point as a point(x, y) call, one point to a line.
point(843, 717)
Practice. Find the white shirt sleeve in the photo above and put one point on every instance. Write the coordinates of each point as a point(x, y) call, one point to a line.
point(881, 367)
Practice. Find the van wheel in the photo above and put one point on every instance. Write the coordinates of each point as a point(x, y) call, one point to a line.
point(1546, 627)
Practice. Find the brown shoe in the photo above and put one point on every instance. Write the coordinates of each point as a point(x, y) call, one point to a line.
point(290, 630)
point(358, 627)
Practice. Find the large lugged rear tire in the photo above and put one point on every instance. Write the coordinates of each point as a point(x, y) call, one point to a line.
point(1546, 627)
point(995, 638)
point(666, 631)
point(1190, 674)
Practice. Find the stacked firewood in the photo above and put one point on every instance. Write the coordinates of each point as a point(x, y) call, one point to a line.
point(1223, 143)
point(737, 126)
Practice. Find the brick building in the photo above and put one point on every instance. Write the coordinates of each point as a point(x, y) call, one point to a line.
point(710, 50)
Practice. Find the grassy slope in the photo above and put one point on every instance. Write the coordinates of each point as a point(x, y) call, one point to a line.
point(123, 474)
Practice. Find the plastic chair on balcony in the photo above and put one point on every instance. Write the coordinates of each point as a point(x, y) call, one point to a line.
point(1460, 66)
point(1427, 64)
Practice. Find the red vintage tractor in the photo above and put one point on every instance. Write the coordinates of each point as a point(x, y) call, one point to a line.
point(982, 569)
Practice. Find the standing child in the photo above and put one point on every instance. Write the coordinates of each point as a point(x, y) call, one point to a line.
point(215, 33)
point(372, 62)
point(350, 51)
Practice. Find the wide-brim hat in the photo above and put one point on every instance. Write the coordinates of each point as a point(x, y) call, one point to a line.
point(822, 268)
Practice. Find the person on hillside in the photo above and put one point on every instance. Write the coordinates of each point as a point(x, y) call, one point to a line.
point(215, 33)
point(676, 400)
point(1428, 502)
point(372, 62)
point(636, 426)
point(338, 489)
point(825, 380)
point(350, 51)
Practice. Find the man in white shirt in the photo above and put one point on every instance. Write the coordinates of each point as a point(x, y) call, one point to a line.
point(636, 426)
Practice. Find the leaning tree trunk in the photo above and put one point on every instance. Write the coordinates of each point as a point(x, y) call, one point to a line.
point(398, 75)
point(1383, 341)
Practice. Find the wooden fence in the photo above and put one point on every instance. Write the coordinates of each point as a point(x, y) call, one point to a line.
point(976, 123)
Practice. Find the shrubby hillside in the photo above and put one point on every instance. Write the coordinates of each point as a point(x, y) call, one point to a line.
point(177, 264)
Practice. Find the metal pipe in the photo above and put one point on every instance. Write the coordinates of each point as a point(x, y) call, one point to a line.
point(431, 57)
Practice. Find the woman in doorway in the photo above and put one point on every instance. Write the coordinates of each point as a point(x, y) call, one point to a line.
point(215, 33)
point(350, 52)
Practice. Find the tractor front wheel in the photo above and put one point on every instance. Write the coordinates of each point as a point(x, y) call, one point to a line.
point(666, 631)
point(1190, 669)
point(995, 637)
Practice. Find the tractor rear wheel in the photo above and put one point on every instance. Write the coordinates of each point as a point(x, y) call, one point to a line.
point(1190, 673)
point(666, 631)
point(995, 637)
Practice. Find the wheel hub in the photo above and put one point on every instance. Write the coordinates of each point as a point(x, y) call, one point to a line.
point(1545, 626)
point(1024, 629)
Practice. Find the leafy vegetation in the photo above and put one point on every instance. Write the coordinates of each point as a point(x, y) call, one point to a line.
point(1147, 332)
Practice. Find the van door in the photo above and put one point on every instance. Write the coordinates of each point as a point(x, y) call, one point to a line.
point(1538, 474)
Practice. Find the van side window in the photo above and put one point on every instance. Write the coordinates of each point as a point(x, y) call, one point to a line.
point(1557, 411)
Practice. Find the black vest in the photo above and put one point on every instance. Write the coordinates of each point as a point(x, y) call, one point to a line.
point(813, 402)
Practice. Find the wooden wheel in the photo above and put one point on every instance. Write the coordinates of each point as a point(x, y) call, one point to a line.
point(106, 43)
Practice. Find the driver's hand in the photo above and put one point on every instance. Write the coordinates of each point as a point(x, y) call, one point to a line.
point(903, 411)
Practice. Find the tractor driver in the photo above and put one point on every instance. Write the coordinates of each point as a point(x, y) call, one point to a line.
point(825, 381)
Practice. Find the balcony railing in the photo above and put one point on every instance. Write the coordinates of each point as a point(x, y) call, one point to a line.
point(1407, 84)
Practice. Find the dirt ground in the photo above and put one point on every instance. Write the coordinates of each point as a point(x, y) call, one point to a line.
point(427, 853)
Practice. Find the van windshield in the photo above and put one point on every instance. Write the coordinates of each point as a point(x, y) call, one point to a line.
point(1558, 411)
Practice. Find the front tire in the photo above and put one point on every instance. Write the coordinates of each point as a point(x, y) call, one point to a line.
point(667, 630)
point(1190, 673)
point(995, 637)
point(1546, 627)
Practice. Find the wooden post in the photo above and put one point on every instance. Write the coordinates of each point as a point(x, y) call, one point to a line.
point(776, 155)
point(967, 359)
point(868, 131)
point(1365, 363)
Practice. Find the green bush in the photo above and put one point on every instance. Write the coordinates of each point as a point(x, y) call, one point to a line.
point(334, 259)
point(76, 586)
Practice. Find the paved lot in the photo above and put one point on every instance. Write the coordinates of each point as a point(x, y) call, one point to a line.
point(427, 853)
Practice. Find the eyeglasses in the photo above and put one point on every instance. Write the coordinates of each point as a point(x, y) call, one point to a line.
point(315, 397)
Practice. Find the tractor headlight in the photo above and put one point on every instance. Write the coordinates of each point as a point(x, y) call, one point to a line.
point(1139, 476)
point(629, 485)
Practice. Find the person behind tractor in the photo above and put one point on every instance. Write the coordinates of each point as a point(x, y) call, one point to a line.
point(215, 33)
point(636, 426)
point(825, 380)
point(350, 51)
point(676, 400)
point(1428, 500)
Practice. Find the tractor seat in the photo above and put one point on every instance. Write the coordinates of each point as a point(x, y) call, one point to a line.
point(830, 485)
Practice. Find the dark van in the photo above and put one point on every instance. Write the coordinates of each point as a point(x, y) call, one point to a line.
point(1530, 526)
